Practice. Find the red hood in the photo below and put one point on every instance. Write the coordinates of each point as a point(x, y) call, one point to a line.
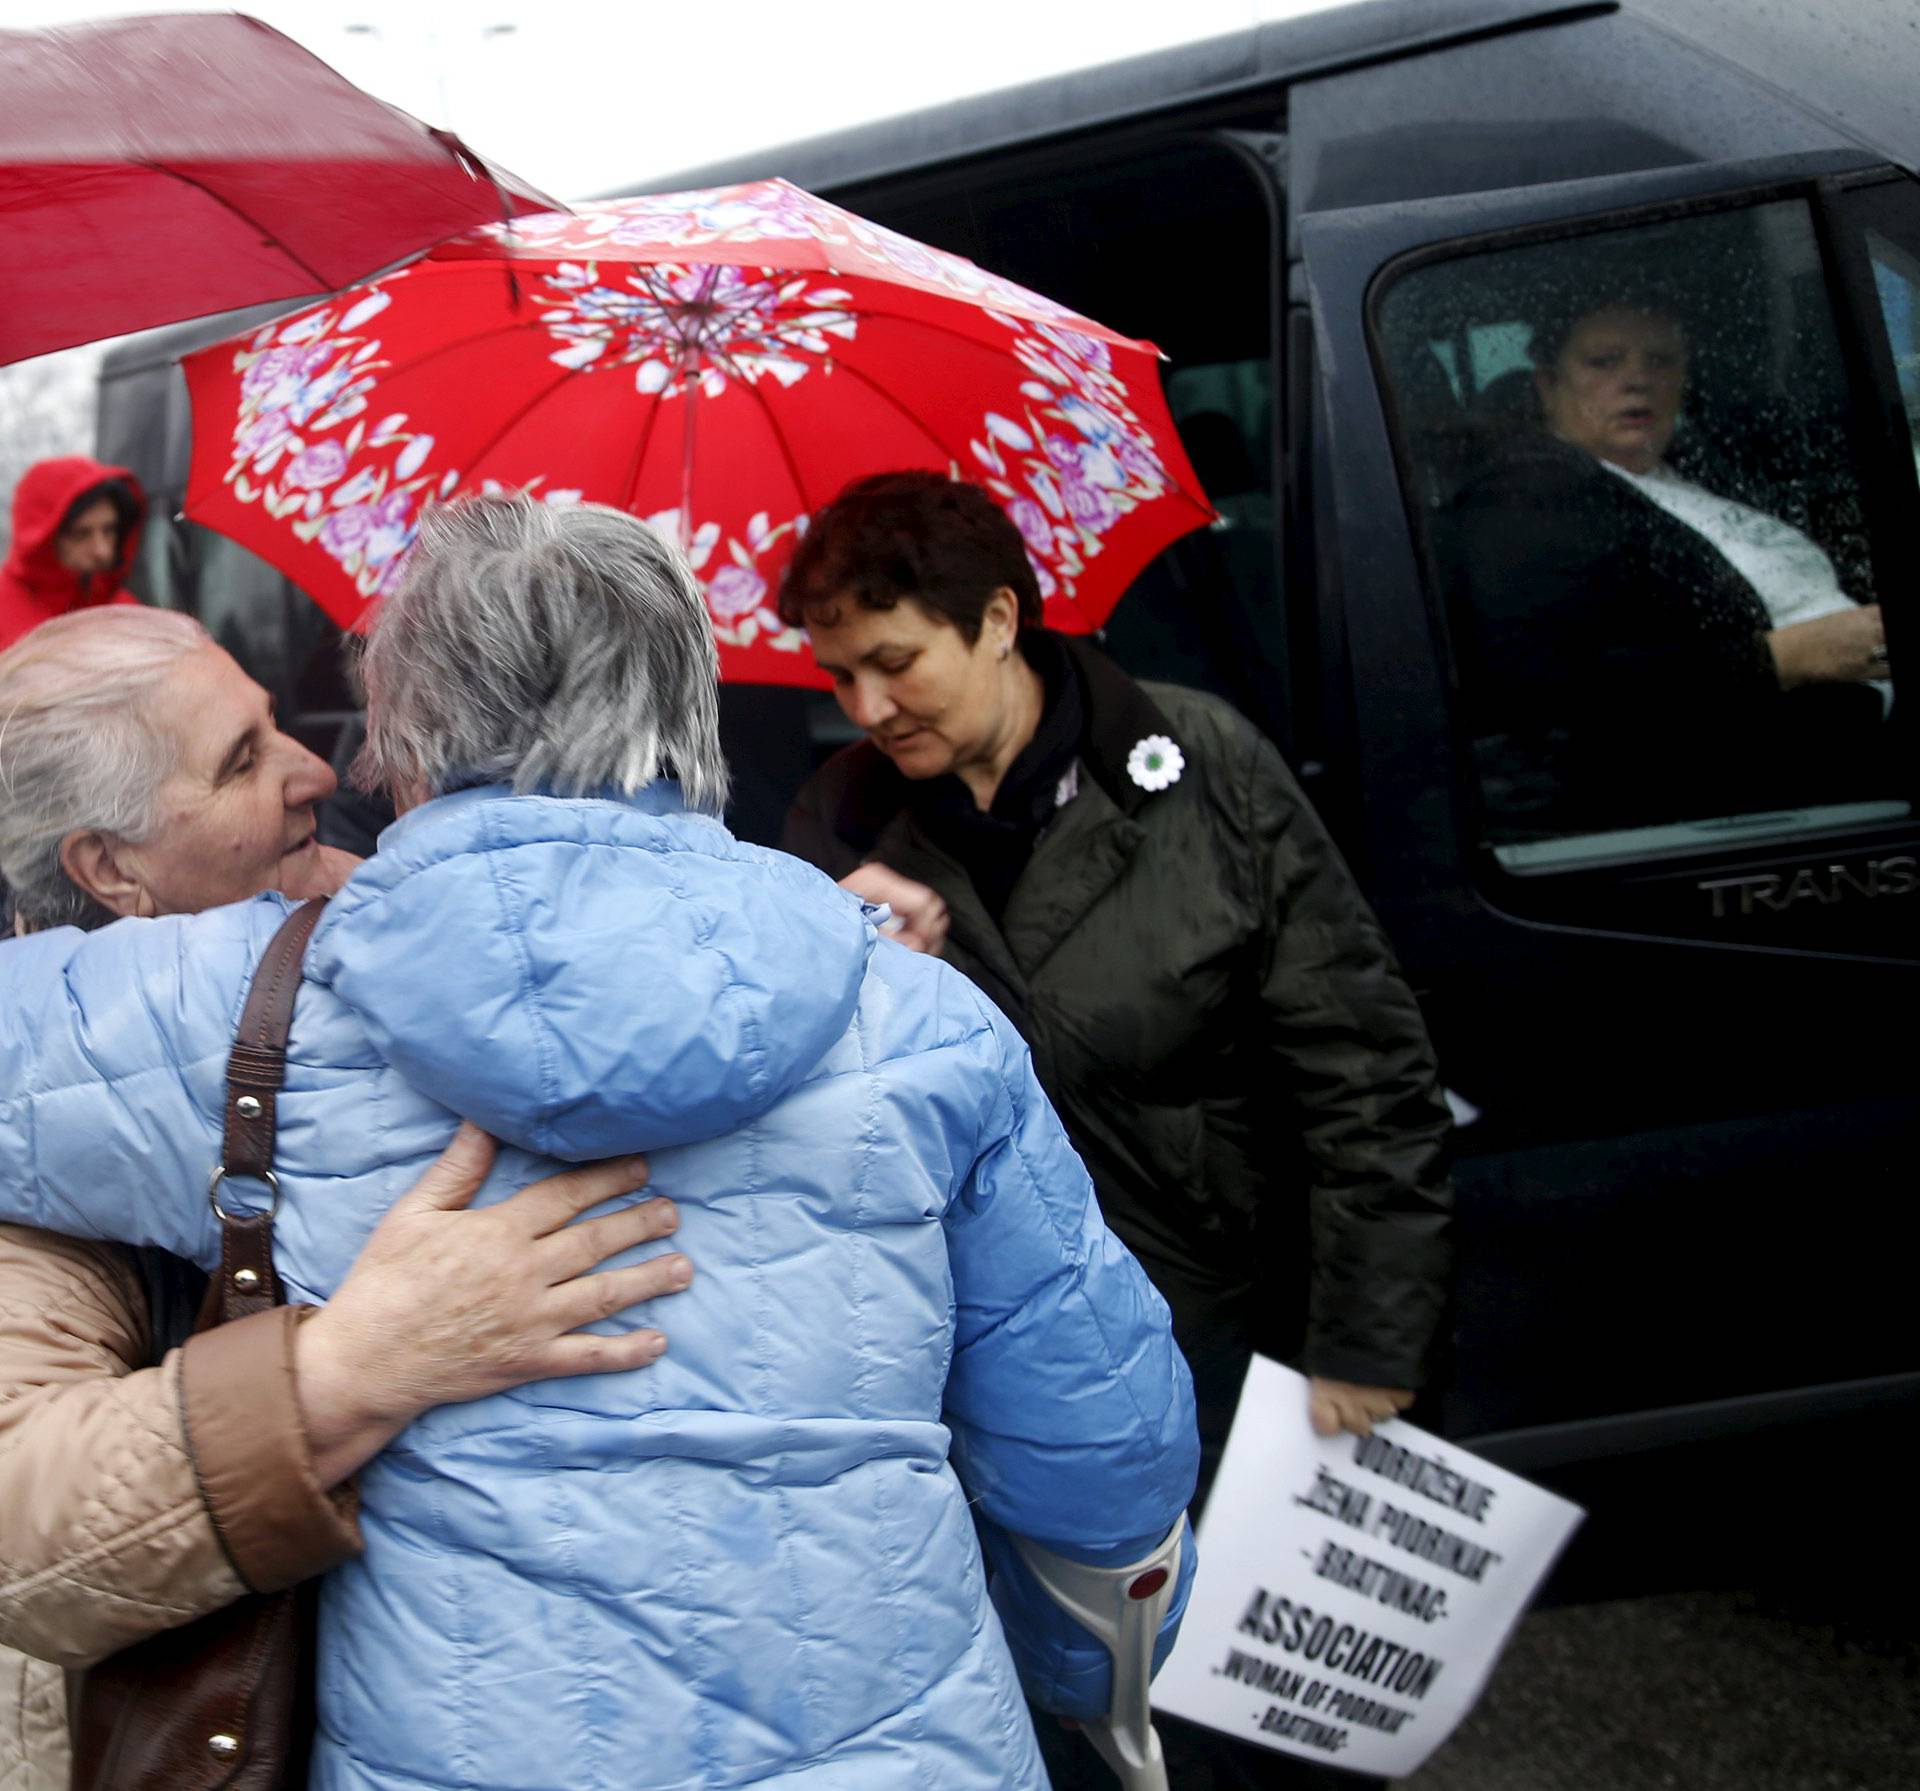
point(33, 583)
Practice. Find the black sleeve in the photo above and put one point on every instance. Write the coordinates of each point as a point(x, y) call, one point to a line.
point(809, 830)
point(1366, 1097)
point(1583, 599)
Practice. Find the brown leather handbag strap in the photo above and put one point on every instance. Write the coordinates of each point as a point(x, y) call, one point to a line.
point(256, 1070)
point(258, 1064)
point(222, 1703)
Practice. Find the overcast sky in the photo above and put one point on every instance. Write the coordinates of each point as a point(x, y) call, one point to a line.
point(583, 96)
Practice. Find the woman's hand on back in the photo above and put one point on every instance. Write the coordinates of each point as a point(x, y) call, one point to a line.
point(446, 1304)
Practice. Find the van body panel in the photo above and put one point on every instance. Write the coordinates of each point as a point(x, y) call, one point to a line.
point(1588, 98)
point(1186, 80)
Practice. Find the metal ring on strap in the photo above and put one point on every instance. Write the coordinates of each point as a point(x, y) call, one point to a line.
point(220, 1212)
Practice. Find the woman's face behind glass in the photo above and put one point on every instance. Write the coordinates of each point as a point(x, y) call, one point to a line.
point(1614, 389)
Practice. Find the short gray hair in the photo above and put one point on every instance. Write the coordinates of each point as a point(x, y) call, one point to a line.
point(554, 647)
point(78, 750)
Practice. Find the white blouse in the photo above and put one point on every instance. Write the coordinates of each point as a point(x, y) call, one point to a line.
point(1790, 574)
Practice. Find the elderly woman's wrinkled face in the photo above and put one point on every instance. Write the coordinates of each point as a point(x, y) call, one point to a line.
point(1615, 387)
point(236, 816)
point(925, 698)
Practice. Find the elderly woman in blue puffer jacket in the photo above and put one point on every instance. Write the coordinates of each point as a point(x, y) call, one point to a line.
point(754, 1565)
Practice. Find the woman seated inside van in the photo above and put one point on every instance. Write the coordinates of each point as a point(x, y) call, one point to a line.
point(1638, 648)
point(756, 1564)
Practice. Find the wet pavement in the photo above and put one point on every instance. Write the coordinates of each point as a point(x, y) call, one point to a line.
point(1722, 1691)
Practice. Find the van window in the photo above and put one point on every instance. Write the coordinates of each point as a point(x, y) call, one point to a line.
point(1632, 452)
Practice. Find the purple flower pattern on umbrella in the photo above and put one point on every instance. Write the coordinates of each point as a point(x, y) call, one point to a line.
point(735, 591)
point(1089, 506)
point(343, 532)
point(1032, 523)
point(392, 527)
point(318, 466)
point(301, 447)
point(1078, 462)
point(262, 440)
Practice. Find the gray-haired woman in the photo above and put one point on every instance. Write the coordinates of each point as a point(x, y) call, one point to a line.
point(147, 1478)
point(755, 1565)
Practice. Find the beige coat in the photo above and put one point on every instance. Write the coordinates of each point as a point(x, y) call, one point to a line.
point(132, 1498)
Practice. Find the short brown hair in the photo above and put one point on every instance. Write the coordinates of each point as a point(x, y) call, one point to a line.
point(942, 542)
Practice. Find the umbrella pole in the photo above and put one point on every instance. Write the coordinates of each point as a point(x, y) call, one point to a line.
point(690, 391)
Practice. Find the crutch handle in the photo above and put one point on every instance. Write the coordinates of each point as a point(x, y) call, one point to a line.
point(1123, 1608)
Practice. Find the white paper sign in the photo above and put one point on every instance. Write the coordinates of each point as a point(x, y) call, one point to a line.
point(1353, 1592)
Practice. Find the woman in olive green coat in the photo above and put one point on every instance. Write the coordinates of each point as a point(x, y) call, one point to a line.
point(1131, 873)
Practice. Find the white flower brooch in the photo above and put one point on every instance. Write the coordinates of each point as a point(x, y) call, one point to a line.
point(1155, 762)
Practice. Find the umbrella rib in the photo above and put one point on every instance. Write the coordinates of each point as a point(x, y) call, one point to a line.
point(632, 482)
point(779, 435)
point(320, 281)
point(499, 435)
point(426, 357)
point(879, 391)
point(947, 329)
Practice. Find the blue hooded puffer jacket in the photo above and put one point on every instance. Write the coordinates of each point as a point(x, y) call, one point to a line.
point(751, 1564)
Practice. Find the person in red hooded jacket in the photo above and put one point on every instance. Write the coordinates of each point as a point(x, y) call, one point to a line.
point(76, 525)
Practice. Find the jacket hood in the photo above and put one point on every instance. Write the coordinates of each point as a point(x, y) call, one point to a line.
point(588, 977)
point(33, 568)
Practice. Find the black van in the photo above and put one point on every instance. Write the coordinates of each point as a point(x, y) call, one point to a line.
point(1676, 1037)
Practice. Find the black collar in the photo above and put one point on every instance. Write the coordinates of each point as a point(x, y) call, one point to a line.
point(1119, 715)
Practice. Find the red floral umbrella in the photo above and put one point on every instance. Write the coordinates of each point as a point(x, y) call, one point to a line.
point(719, 362)
point(159, 168)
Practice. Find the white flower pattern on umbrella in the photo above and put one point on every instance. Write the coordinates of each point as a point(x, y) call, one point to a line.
point(684, 326)
point(1065, 490)
point(1064, 449)
point(1155, 763)
point(739, 593)
point(300, 381)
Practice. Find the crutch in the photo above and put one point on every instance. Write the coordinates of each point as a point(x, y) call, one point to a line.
point(1123, 1607)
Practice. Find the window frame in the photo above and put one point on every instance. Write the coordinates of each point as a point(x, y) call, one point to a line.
point(1874, 407)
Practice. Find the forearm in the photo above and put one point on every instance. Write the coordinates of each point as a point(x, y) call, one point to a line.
point(1381, 1206)
point(1381, 1212)
point(1379, 1290)
point(1062, 1667)
point(1365, 1104)
point(107, 1531)
point(1053, 1314)
point(281, 1515)
point(344, 1429)
point(103, 1536)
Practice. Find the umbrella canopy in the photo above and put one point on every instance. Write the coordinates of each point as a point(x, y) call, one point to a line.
point(719, 362)
point(159, 168)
